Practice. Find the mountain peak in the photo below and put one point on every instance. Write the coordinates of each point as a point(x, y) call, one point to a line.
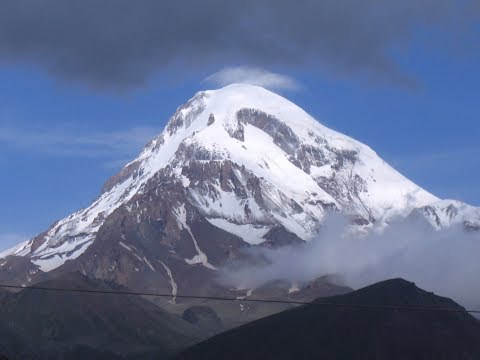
point(234, 167)
point(224, 103)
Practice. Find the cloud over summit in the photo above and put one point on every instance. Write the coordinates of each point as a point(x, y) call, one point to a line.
point(252, 76)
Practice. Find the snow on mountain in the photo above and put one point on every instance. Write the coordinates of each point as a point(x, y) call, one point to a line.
point(249, 161)
point(442, 214)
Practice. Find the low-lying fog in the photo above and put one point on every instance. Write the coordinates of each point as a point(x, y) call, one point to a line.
point(446, 262)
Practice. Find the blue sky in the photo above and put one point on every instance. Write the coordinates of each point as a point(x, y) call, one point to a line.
point(61, 139)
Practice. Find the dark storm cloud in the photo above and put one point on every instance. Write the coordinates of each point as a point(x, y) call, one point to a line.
point(120, 43)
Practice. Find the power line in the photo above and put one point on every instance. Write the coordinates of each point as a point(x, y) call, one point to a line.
point(220, 298)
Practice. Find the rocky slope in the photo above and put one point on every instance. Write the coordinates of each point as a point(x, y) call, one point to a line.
point(40, 324)
point(234, 168)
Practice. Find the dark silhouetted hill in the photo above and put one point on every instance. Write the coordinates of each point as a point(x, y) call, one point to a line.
point(344, 332)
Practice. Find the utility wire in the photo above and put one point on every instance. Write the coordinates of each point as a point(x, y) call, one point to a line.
point(220, 298)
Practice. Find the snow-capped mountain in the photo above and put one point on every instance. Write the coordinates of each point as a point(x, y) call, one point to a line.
point(442, 214)
point(234, 167)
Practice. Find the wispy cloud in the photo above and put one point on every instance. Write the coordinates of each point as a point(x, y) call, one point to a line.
point(114, 145)
point(449, 173)
point(252, 76)
point(454, 157)
point(443, 261)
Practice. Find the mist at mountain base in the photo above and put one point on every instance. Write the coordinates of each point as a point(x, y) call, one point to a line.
point(445, 262)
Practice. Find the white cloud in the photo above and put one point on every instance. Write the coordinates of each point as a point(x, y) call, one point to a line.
point(252, 76)
point(438, 158)
point(445, 261)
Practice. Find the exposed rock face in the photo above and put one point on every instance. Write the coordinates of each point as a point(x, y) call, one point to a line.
point(234, 168)
point(205, 318)
point(445, 213)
